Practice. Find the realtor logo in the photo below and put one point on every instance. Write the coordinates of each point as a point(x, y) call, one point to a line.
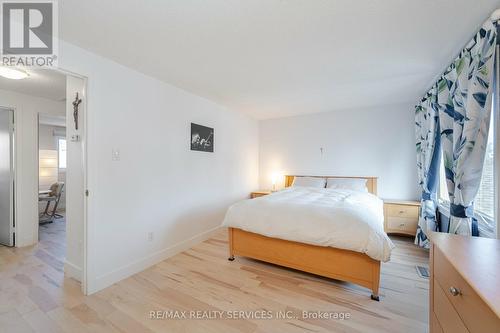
point(29, 33)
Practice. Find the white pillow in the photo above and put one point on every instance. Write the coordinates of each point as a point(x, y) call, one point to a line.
point(355, 184)
point(317, 182)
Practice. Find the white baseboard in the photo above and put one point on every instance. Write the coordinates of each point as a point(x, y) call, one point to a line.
point(72, 271)
point(123, 272)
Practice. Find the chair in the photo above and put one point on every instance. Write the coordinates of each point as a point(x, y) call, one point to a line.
point(56, 191)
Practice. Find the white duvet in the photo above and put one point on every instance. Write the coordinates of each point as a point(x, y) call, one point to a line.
point(344, 219)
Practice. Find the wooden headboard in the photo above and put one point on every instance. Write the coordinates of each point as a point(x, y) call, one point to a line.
point(371, 182)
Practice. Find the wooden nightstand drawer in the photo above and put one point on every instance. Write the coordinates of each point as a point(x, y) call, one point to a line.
point(401, 217)
point(402, 224)
point(396, 210)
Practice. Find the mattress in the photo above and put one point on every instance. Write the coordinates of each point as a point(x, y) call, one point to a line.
point(344, 219)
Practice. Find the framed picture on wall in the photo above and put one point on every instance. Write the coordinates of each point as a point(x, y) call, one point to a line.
point(202, 138)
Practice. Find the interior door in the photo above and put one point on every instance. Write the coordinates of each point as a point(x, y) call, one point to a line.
point(6, 177)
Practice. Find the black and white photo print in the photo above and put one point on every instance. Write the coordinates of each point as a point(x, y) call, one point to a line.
point(202, 138)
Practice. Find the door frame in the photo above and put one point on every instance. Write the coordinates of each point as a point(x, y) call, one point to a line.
point(85, 272)
point(84, 138)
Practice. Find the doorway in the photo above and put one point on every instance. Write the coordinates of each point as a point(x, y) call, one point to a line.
point(48, 169)
point(52, 165)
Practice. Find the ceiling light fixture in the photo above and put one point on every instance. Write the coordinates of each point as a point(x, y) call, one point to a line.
point(13, 73)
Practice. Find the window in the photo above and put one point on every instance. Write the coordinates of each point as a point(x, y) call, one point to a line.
point(484, 204)
point(443, 190)
point(61, 146)
point(485, 199)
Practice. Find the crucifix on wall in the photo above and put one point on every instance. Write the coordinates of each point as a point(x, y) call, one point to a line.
point(76, 103)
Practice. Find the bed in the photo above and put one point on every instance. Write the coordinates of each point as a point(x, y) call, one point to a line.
point(333, 232)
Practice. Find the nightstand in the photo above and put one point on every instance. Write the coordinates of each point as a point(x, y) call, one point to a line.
point(256, 194)
point(401, 217)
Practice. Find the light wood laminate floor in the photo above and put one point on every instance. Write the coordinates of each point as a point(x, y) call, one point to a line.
point(35, 297)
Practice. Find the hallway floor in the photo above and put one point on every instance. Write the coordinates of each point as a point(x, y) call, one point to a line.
point(52, 239)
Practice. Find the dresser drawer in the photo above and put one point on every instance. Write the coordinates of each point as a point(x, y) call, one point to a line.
point(448, 319)
point(402, 211)
point(435, 325)
point(474, 313)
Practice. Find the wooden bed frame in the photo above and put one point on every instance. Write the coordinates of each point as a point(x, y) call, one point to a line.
point(330, 262)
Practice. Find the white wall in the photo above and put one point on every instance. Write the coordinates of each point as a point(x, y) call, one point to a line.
point(158, 185)
point(363, 142)
point(26, 150)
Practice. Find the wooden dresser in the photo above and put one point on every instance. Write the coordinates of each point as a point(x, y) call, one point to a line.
point(464, 284)
point(401, 217)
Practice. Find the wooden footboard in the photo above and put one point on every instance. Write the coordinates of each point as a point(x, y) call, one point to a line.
point(330, 262)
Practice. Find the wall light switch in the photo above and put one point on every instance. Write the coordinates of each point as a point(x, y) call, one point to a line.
point(115, 154)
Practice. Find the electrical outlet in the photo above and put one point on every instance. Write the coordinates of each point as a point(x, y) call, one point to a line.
point(150, 236)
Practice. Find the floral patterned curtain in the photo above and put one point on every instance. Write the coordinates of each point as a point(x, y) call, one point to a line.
point(428, 155)
point(464, 103)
